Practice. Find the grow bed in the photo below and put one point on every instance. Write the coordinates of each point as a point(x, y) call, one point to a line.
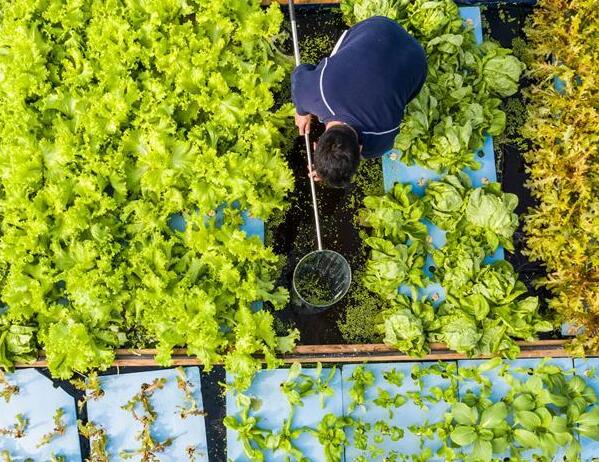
point(293, 235)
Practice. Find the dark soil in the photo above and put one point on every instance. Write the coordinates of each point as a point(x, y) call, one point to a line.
point(505, 25)
point(295, 236)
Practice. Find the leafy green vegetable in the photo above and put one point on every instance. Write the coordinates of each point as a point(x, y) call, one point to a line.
point(393, 265)
point(385, 400)
point(405, 324)
point(331, 434)
point(459, 103)
point(561, 131)
point(395, 216)
point(383, 429)
point(282, 440)
point(297, 386)
point(252, 437)
point(394, 377)
point(115, 119)
point(446, 200)
point(541, 412)
point(486, 307)
point(362, 379)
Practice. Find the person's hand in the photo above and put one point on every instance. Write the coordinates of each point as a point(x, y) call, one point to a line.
point(303, 123)
point(314, 175)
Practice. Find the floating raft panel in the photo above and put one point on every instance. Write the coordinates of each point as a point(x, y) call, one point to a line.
point(273, 408)
point(588, 369)
point(122, 429)
point(403, 417)
point(38, 401)
point(396, 171)
point(501, 388)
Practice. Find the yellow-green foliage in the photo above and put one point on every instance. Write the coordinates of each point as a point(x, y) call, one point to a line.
point(563, 161)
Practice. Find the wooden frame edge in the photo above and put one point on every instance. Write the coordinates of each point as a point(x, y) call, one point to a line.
point(371, 352)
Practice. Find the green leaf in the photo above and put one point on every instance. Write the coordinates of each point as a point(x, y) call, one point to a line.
point(528, 419)
point(482, 451)
point(494, 415)
point(464, 414)
point(524, 402)
point(463, 435)
point(588, 424)
point(526, 438)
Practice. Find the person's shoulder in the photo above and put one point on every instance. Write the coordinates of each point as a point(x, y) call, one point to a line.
point(377, 22)
point(378, 19)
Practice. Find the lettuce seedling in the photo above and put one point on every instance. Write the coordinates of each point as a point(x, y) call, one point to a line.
point(383, 429)
point(387, 401)
point(297, 385)
point(283, 440)
point(331, 434)
point(248, 431)
point(362, 379)
point(394, 377)
point(486, 430)
point(96, 436)
point(58, 430)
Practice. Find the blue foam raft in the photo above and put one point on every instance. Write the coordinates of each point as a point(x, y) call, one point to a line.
point(122, 429)
point(37, 401)
point(396, 171)
point(273, 407)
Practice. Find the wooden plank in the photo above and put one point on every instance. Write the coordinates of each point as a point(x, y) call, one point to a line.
point(381, 347)
point(376, 352)
point(346, 348)
point(302, 2)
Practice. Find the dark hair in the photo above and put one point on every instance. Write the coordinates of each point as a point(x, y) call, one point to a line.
point(337, 156)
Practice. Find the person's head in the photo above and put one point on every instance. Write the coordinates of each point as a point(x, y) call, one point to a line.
point(337, 155)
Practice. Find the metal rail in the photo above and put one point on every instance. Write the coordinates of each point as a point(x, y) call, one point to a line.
point(296, 54)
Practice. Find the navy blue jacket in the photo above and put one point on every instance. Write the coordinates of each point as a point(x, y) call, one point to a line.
point(374, 71)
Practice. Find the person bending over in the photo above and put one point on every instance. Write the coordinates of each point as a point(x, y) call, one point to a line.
point(359, 93)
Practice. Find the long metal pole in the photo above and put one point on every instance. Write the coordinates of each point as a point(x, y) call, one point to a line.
point(306, 136)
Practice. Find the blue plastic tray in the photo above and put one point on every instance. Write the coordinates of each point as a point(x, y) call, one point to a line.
point(122, 429)
point(275, 409)
point(588, 369)
point(404, 416)
point(38, 401)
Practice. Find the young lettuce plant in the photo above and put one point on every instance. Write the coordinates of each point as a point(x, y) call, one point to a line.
point(58, 430)
point(322, 385)
point(361, 430)
point(330, 432)
point(384, 430)
point(150, 447)
point(8, 390)
point(96, 437)
point(18, 429)
point(297, 386)
point(283, 440)
point(394, 377)
point(362, 379)
point(387, 401)
point(91, 386)
point(487, 430)
point(248, 431)
point(190, 407)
